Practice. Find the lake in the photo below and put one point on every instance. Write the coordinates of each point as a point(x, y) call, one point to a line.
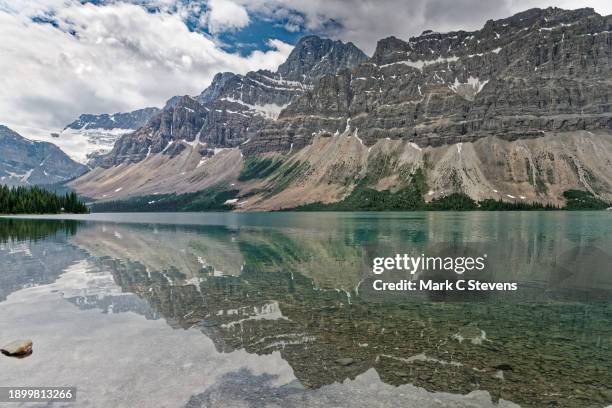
point(280, 310)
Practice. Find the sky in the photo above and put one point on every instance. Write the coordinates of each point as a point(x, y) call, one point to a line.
point(62, 58)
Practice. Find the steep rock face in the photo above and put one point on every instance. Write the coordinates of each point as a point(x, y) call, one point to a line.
point(180, 123)
point(234, 107)
point(95, 135)
point(24, 162)
point(214, 91)
point(535, 72)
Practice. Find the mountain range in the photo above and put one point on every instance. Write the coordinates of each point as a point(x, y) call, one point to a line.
point(518, 110)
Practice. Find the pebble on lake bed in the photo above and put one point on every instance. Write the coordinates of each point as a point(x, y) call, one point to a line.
point(345, 361)
point(17, 348)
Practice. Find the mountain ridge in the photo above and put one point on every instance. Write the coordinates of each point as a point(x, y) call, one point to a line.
point(541, 75)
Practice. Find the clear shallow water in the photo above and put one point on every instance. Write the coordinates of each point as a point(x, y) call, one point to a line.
point(231, 310)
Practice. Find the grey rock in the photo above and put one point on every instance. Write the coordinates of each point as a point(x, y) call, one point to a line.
point(530, 95)
point(345, 361)
point(17, 348)
point(503, 367)
point(215, 90)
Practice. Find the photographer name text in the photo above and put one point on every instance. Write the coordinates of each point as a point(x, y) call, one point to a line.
point(424, 264)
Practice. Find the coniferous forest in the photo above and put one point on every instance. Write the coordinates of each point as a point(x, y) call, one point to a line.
point(35, 200)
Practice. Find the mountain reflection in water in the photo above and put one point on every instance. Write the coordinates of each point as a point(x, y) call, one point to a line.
point(305, 290)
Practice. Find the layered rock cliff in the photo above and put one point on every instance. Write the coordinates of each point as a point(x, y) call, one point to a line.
point(538, 71)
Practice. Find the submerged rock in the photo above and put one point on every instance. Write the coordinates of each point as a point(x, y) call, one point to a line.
point(504, 367)
point(294, 385)
point(472, 333)
point(345, 361)
point(17, 348)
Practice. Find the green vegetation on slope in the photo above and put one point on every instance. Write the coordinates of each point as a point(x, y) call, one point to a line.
point(286, 174)
point(35, 200)
point(500, 205)
point(453, 202)
point(583, 200)
point(362, 198)
point(258, 168)
point(212, 199)
point(463, 202)
point(410, 198)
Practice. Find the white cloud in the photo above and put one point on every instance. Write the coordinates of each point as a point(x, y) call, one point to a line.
point(225, 15)
point(101, 59)
point(364, 22)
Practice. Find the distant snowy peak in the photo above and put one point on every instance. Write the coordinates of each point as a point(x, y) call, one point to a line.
point(85, 145)
point(91, 136)
point(121, 120)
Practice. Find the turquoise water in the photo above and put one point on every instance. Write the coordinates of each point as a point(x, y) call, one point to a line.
point(278, 309)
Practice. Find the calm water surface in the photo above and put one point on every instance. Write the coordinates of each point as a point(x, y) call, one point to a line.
point(278, 310)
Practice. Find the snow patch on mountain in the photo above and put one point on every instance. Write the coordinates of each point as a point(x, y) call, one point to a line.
point(268, 110)
point(82, 144)
point(468, 89)
point(420, 64)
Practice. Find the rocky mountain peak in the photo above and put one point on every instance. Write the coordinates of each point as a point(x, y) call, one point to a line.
point(388, 46)
point(314, 57)
point(7, 133)
point(216, 87)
